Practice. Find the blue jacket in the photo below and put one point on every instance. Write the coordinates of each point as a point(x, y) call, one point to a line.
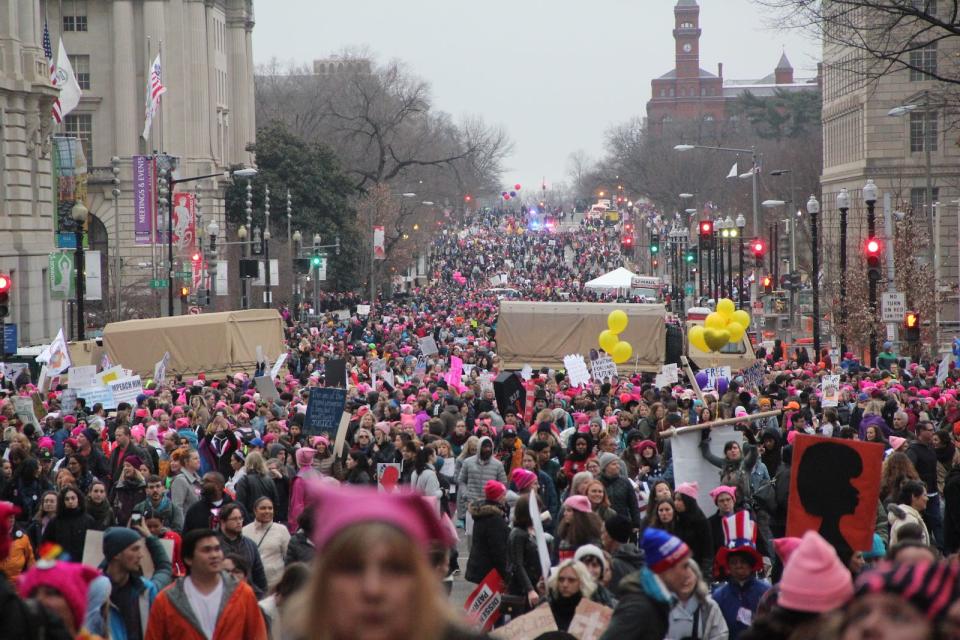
point(148, 589)
point(732, 597)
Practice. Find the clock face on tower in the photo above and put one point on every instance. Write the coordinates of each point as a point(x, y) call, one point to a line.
point(687, 47)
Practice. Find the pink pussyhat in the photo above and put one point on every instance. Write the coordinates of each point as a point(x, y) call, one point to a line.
point(691, 489)
point(814, 579)
point(785, 547)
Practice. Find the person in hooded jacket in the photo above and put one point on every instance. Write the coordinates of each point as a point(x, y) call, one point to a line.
point(488, 549)
point(771, 445)
point(620, 491)
point(692, 526)
point(69, 527)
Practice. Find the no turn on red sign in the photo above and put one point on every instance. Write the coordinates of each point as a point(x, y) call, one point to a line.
point(893, 306)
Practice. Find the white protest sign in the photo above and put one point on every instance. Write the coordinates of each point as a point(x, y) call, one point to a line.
point(160, 369)
point(388, 377)
point(539, 535)
point(603, 368)
point(576, 370)
point(275, 369)
point(830, 391)
point(82, 377)
point(266, 388)
point(428, 346)
point(23, 407)
point(93, 395)
point(690, 466)
point(261, 359)
point(660, 381)
point(527, 372)
point(713, 374)
point(112, 374)
point(486, 381)
point(57, 355)
point(670, 373)
point(126, 389)
point(68, 401)
point(363, 309)
point(944, 369)
point(93, 552)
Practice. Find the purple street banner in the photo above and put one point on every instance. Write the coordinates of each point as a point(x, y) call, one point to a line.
point(144, 198)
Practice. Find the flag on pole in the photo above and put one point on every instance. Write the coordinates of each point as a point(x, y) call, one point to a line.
point(66, 81)
point(155, 89)
point(48, 52)
point(733, 171)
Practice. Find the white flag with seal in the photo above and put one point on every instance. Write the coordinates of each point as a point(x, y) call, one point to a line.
point(67, 83)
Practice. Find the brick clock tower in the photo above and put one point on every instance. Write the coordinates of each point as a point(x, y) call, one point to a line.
point(687, 92)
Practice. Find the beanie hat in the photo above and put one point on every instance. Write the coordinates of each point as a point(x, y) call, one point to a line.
point(814, 579)
point(578, 503)
point(618, 528)
point(115, 540)
point(605, 459)
point(137, 431)
point(134, 461)
point(663, 551)
point(929, 586)
point(7, 509)
point(896, 442)
point(715, 493)
point(878, 550)
point(691, 489)
point(785, 547)
point(69, 420)
point(305, 456)
point(182, 423)
point(69, 579)
point(522, 478)
point(739, 412)
point(494, 491)
point(593, 551)
point(90, 435)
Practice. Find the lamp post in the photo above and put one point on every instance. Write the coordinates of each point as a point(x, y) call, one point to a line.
point(843, 206)
point(731, 236)
point(791, 227)
point(741, 222)
point(753, 174)
point(267, 299)
point(297, 243)
point(79, 215)
point(213, 230)
point(724, 235)
point(870, 199)
point(117, 264)
point(316, 280)
point(244, 282)
point(813, 208)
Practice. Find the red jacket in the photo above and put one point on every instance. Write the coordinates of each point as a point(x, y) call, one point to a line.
point(172, 617)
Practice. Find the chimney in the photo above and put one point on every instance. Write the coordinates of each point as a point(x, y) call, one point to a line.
point(720, 70)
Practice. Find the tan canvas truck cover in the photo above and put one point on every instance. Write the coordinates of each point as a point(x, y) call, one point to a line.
point(215, 343)
point(542, 333)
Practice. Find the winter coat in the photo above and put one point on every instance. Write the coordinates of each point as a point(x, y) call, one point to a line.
point(951, 511)
point(240, 617)
point(524, 562)
point(24, 620)
point(623, 498)
point(626, 559)
point(298, 494)
point(271, 541)
point(899, 515)
point(147, 590)
point(732, 597)
point(21, 556)
point(169, 514)
point(300, 548)
point(695, 531)
point(427, 483)
point(69, 530)
point(710, 622)
point(488, 549)
point(124, 496)
point(475, 473)
point(185, 490)
point(643, 611)
point(252, 487)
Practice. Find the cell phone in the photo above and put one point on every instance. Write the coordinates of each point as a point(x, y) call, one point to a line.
point(136, 518)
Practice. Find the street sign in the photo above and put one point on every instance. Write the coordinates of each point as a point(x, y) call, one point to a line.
point(9, 338)
point(893, 306)
point(184, 274)
point(159, 283)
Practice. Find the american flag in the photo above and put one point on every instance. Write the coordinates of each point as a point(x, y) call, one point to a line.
point(156, 85)
point(48, 51)
point(155, 89)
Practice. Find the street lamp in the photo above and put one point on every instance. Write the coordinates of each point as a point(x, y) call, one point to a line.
point(267, 298)
point(721, 224)
point(731, 227)
point(813, 208)
point(843, 206)
point(791, 229)
point(870, 199)
point(741, 222)
point(752, 174)
point(79, 215)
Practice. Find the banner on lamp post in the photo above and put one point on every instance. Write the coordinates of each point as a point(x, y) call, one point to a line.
point(61, 271)
point(379, 250)
point(144, 198)
point(184, 221)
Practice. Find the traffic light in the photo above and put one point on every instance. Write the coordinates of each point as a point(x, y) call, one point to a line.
point(316, 261)
point(767, 282)
point(759, 249)
point(184, 291)
point(656, 263)
point(706, 235)
point(468, 198)
point(205, 297)
point(301, 265)
point(5, 284)
point(873, 248)
point(691, 255)
point(911, 326)
point(654, 244)
point(627, 241)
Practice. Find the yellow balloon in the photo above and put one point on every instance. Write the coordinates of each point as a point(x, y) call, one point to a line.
point(741, 317)
point(621, 352)
point(715, 321)
point(617, 321)
point(725, 307)
point(736, 332)
point(716, 338)
point(608, 340)
point(695, 336)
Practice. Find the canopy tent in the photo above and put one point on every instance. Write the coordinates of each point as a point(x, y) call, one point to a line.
point(619, 278)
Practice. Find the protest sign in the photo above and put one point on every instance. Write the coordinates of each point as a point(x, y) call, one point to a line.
point(455, 374)
point(590, 620)
point(468, 369)
point(540, 537)
point(335, 373)
point(486, 381)
point(266, 388)
point(110, 375)
point(834, 490)
point(428, 346)
point(126, 389)
point(23, 407)
point(830, 391)
point(376, 366)
point(11, 370)
point(93, 395)
point(324, 409)
point(68, 401)
point(528, 626)
point(509, 393)
point(388, 378)
point(93, 552)
point(57, 355)
point(275, 369)
point(43, 379)
point(713, 374)
point(690, 466)
point(388, 476)
point(363, 309)
point(670, 373)
point(944, 369)
point(602, 367)
point(341, 434)
point(483, 605)
point(660, 381)
point(82, 377)
point(576, 370)
point(754, 375)
point(527, 372)
point(160, 369)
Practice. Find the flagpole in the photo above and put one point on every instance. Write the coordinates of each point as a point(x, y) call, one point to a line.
point(155, 205)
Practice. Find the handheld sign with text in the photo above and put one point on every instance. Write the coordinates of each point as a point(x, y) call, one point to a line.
point(834, 490)
point(483, 605)
point(324, 409)
point(509, 392)
point(266, 388)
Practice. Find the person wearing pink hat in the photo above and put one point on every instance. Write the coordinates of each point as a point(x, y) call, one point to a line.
point(61, 588)
point(579, 525)
point(488, 548)
point(388, 535)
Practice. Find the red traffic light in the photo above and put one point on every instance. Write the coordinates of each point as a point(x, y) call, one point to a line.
point(5, 283)
point(872, 247)
point(467, 198)
point(628, 241)
point(758, 247)
point(706, 227)
point(196, 256)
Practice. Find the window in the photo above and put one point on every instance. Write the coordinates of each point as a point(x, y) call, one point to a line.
point(81, 69)
point(80, 126)
point(918, 198)
point(923, 62)
point(923, 125)
point(686, 25)
point(75, 15)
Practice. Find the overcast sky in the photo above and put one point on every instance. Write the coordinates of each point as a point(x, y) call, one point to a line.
point(555, 73)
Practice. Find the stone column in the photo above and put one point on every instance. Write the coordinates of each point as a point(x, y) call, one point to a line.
point(128, 109)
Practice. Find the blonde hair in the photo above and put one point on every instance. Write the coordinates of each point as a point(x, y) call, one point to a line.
point(587, 584)
point(470, 447)
point(349, 548)
point(254, 463)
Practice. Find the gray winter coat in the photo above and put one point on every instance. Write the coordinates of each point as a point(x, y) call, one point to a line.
point(475, 473)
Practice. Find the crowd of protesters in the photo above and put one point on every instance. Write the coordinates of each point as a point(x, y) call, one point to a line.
point(222, 514)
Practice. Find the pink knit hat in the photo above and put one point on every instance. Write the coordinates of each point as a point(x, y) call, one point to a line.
point(691, 489)
point(785, 547)
point(70, 579)
point(494, 491)
point(304, 456)
point(814, 579)
point(182, 423)
point(578, 503)
point(522, 478)
point(715, 493)
point(337, 508)
point(896, 442)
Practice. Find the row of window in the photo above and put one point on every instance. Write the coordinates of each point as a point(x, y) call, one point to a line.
point(683, 93)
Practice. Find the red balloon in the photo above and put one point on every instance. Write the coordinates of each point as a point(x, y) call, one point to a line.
point(517, 187)
point(506, 197)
